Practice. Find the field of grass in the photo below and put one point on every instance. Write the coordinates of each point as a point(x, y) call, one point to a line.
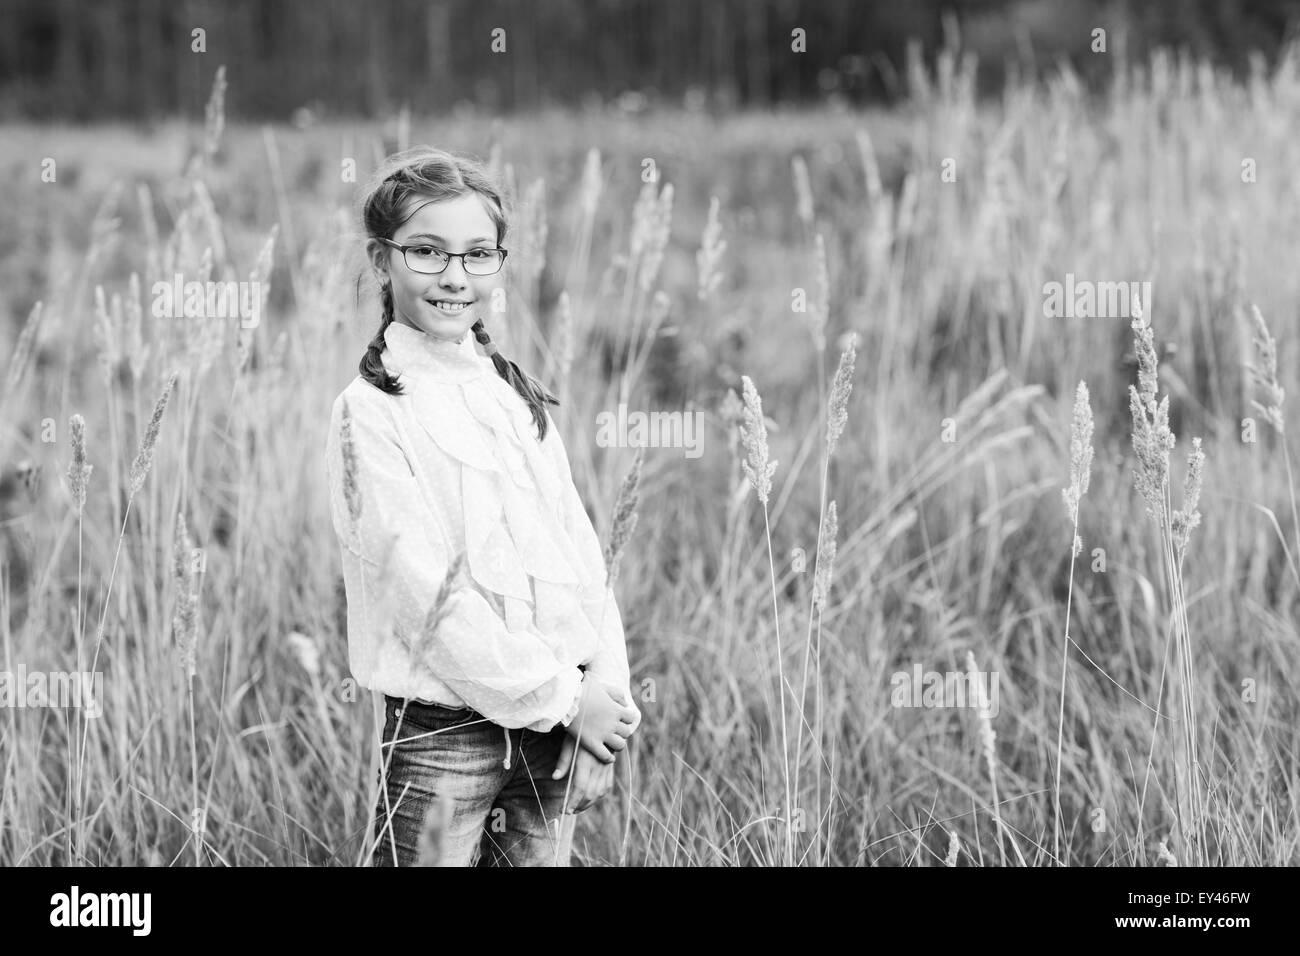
point(953, 544)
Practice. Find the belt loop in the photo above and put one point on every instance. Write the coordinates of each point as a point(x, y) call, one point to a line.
point(507, 733)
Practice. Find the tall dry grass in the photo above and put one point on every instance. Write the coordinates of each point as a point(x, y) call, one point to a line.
point(768, 733)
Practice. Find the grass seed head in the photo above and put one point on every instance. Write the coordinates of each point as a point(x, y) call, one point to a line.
point(803, 190)
point(837, 406)
point(564, 337)
point(351, 489)
point(954, 847)
point(825, 557)
point(1265, 373)
point(625, 516)
point(753, 432)
point(821, 306)
point(1080, 453)
point(1148, 363)
point(1152, 443)
point(438, 610)
point(659, 228)
point(592, 184)
point(144, 457)
point(215, 114)
point(988, 737)
point(79, 471)
point(710, 253)
point(1152, 439)
point(1188, 518)
point(18, 362)
point(185, 615)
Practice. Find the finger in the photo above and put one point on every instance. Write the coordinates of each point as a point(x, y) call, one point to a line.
point(599, 787)
point(600, 752)
point(582, 784)
point(573, 791)
point(605, 781)
point(565, 760)
point(594, 788)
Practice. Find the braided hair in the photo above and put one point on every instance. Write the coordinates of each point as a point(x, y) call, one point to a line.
point(426, 173)
point(529, 389)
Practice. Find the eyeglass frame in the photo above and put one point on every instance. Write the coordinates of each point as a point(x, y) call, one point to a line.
point(450, 255)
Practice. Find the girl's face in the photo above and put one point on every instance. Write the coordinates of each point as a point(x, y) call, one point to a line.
point(423, 301)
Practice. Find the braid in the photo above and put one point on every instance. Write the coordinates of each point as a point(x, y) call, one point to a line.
point(372, 365)
point(533, 394)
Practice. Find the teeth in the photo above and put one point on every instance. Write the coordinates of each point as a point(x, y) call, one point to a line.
point(452, 306)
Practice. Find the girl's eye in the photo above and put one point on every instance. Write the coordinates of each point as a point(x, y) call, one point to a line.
point(478, 254)
point(424, 252)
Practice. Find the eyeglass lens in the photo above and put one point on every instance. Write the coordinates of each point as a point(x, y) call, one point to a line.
point(429, 259)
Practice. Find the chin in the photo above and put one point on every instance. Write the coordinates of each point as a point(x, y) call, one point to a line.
point(442, 328)
point(440, 331)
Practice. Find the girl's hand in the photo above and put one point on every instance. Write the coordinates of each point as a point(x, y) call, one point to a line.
point(603, 722)
point(621, 696)
point(592, 779)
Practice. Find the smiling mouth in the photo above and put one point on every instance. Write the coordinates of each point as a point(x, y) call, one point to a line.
point(448, 305)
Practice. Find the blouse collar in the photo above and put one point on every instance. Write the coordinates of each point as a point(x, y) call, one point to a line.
point(424, 357)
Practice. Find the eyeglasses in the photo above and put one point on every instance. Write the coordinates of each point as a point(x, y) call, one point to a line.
point(430, 260)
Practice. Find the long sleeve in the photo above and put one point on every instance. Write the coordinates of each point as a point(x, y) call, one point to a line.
point(610, 660)
point(395, 559)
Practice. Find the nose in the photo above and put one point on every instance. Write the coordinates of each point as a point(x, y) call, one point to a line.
point(454, 274)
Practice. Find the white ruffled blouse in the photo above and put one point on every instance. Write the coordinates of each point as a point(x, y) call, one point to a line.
point(453, 466)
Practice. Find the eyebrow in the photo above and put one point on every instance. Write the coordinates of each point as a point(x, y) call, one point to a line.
point(429, 235)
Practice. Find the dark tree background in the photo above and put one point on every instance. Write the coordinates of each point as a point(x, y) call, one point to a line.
point(83, 60)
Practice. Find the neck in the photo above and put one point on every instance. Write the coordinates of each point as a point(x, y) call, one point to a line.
point(425, 355)
point(437, 338)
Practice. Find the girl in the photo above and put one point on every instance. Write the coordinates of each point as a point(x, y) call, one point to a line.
point(509, 673)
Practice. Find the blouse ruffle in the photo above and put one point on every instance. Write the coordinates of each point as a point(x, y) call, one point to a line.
point(518, 548)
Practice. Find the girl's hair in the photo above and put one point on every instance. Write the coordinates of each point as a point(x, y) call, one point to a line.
point(423, 172)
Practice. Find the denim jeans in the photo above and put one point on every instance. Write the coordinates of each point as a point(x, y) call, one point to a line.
point(452, 761)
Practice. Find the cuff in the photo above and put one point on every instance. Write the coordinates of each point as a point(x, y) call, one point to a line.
point(621, 681)
point(577, 701)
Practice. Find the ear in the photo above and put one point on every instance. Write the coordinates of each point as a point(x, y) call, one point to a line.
point(377, 252)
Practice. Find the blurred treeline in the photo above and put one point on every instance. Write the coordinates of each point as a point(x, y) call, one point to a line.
point(83, 60)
